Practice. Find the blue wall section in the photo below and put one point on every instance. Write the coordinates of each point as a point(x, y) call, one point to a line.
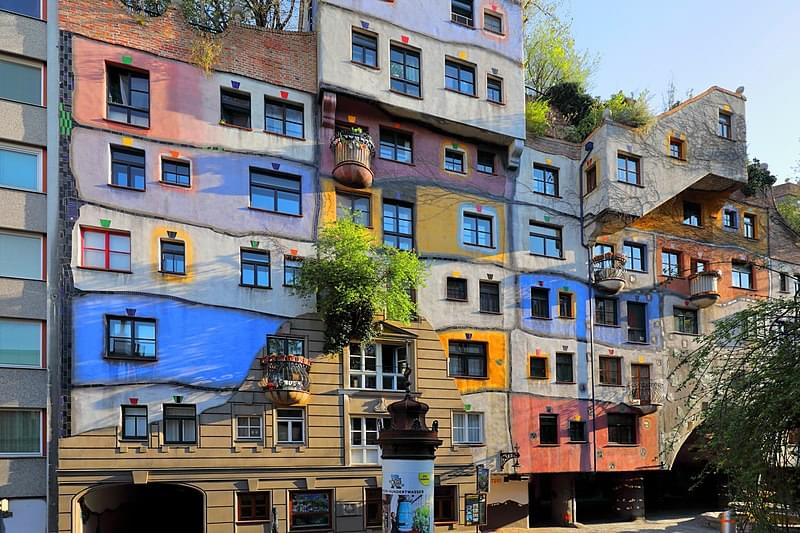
point(619, 335)
point(554, 326)
point(196, 345)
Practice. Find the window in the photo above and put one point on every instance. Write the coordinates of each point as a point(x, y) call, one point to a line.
point(461, 12)
point(730, 218)
point(445, 504)
point(545, 240)
point(128, 96)
point(291, 426)
point(538, 367)
point(749, 226)
point(404, 70)
point(540, 302)
point(685, 320)
point(283, 118)
point(478, 230)
point(742, 275)
point(255, 268)
point(490, 297)
point(494, 90)
point(548, 429)
point(459, 77)
point(454, 161)
point(106, 250)
point(398, 224)
point(635, 257)
point(29, 8)
point(20, 432)
point(602, 256)
point(354, 205)
point(699, 265)
point(364, 449)
point(621, 429)
point(692, 214)
point(628, 169)
point(20, 342)
point(545, 180)
point(492, 22)
point(285, 346)
point(784, 282)
point(577, 431)
point(291, 270)
point(379, 366)
point(20, 168)
point(467, 428)
point(724, 129)
point(566, 307)
point(134, 422)
point(457, 289)
point(365, 49)
point(271, 191)
point(235, 108)
point(173, 257)
point(610, 370)
point(467, 359)
point(396, 146)
point(564, 369)
point(373, 507)
point(253, 506)
point(127, 168)
point(485, 162)
point(180, 424)
point(605, 311)
point(637, 322)
point(591, 179)
point(676, 148)
point(131, 337)
point(248, 427)
point(670, 264)
point(310, 509)
point(175, 172)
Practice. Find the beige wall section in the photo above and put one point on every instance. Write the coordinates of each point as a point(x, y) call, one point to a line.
point(23, 210)
point(23, 36)
point(98, 457)
point(23, 122)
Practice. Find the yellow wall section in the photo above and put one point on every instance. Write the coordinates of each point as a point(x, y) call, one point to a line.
point(497, 359)
point(159, 233)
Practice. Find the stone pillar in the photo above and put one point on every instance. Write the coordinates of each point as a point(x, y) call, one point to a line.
point(629, 496)
point(563, 499)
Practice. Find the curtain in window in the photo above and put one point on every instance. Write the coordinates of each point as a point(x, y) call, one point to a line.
point(20, 432)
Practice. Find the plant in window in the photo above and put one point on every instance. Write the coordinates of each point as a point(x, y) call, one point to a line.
point(353, 279)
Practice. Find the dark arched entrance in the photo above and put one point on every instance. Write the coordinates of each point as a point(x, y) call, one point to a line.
point(150, 508)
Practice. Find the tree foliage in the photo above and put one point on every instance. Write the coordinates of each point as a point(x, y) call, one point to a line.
point(537, 119)
point(789, 208)
point(744, 382)
point(759, 178)
point(354, 279)
point(215, 15)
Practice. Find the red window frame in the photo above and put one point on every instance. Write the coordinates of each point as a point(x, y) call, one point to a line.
point(106, 250)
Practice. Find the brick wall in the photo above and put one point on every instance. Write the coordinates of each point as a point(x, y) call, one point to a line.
point(282, 58)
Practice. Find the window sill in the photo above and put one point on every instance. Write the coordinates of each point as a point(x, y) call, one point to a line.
point(178, 274)
point(639, 343)
point(491, 312)
point(611, 385)
point(23, 278)
point(749, 289)
point(468, 26)
point(540, 318)
point(396, 161)
point(365, 65)
point(636, 271)
point(549, 445)
point(539, 378)
point(175, 185)
point(97, 269)
point(461, 93)
point(130, 358)
point(133, 440)
point(547, 256)
point(7, 188)
point(556, 196)
point(486, 173)
point(565, 382)
point(299, 447)
point(621, 445)
point(261, 209)
point(566, 318)
point(31, 17)
point(372, 392)
point(686, 334)
point(698, 226)
point(252, 522)
point(726, 138)
point(482, 247)
point(276, 134)
point(461, 174)
point(234, 126)
point(125, 187)
point(607, 325)
point(268, 287)
point(579, 442)
point(480, 378)
point(456, 300)
point(639, 185)
point(495, 102)
point(415, 97)
point(678, 159)
point(25, 367)
point(458, 445)
point(126, 124)
point(21, 455)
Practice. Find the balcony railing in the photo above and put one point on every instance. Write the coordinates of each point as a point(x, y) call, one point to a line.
point(645, 392)
point(458, 18)
point(353, 152)
point(703, 286)
point(286, 380)
point(608, 272)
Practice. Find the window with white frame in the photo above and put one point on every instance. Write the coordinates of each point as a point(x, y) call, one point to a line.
point(378, 366)
point(20, 432)
point(364, 431)
point(20, 167)
point(248, 427)
point(467, 428)
point(20, 255)
point(291, 426)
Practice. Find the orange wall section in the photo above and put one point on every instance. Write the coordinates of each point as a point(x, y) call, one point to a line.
point(496, 364)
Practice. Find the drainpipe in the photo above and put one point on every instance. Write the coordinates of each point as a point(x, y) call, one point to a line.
point(588, 147)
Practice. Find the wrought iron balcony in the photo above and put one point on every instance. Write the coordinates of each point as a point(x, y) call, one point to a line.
point(645, 392)
point(608, 272)
point(286, 380)
point(703, 286)
point(353, 152)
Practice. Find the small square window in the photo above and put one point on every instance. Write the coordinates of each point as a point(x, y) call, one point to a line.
point(404, 70)
point(175, 172)
point(173, 257)
point(566, 305)
point(628, 169)
point(21, 343)
point(610, 370)
point(253, 506)
point(485, 162)
point(564, 368)
point(548, 429)
point(235, 108)
point(291, 426)
point(396, 146)
point(490, 297)
point(454, 161)
point(22, 432)
point(545, 240)
point(275, 192)
point(635, 257)
point(492, 22)
point(539, 367)
point(468, 428)
point(698, 265)
point(742, 275)
point(467, 359)
point(685, 320)
point(671, 264)
point(127, 168)
point(248, 427)
point(134, 422)
point(255, 268)
point(461, 12)
point(21, 167)
point(133, 337)
point(622, 429)
point(105, 249)
point(540, 302)
point(676, 148)
point(457, 289)
point(577, 431)
point(692, 214)
point(365, 49)
point(545, 180)
point(459, 77)
point(494, 90)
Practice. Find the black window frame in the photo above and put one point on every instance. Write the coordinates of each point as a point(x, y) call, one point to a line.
point(445, 498)
point(390, 139)
point(136, 417)
point(608, 309)
point(548, 429)
point(274, 190)
point(463, 14)
point(602, 255)
point(247, 500)
point(373, 507)
point(630, 260)
point(173, 250)
point(293, 269)
point(577, 431)
point(455, 161)
point(481, 164)
point(396, 238)
point(237, 108)
point(668, 268)
point(783, 282)
point(182, 439)
point(730, 218)
point(627, 172)
point(477, 232)
point(348, 198)
point(179, 166)
point(284, 107)
point(461, 69)
point(401, 85)
point(725, 125)
point(456, 353)
point(683, 316)
point(496, 16)
point(557, 240)
point(133, 340)
point(566, 304)
point(490, 298)
point(256, 266)
point(494, 86)
point(129, 109)
point(621, 429)
point(737, 274)
point(118, 157)
point(562, 358)
point(540, 181)
point(606, 370)
point(455, 287)
point(313, 527)
point(692, 210)
point(749, 221)
point(540, 302)
point(538, 367)
point(637, 334)
point(368, 39)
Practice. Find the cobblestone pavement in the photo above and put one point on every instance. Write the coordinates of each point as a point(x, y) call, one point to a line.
point(677, 524)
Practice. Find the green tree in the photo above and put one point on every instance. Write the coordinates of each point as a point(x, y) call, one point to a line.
point(759, 178)
point(354, 279)
point(742, 381)
point(789, 208)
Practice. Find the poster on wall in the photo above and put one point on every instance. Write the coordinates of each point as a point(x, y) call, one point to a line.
point(407, 496)
point(475, 509)
point(482, 477)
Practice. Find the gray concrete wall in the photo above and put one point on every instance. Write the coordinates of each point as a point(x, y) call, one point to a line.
point(23, 122)
point(23, 210)
point(23, 36)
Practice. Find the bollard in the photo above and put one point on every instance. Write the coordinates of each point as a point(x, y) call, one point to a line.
point(727, 522)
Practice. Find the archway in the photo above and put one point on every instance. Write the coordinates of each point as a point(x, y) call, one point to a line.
point(153, 507)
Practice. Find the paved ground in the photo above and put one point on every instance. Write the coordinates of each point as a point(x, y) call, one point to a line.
point(671, 524)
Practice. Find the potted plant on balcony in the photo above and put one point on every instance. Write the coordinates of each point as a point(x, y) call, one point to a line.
point(353, 152)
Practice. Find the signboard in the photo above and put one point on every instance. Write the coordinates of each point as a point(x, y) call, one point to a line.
point(407, 496)
point(475, 510)
point(482, 478)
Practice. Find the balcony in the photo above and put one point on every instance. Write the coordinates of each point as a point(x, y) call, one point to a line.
point(645, 394)
point(703, 286)
point(608, 272)
point(286, 381)
point(353, 152)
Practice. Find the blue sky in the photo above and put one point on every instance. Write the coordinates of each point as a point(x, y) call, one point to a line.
point(644, 44)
